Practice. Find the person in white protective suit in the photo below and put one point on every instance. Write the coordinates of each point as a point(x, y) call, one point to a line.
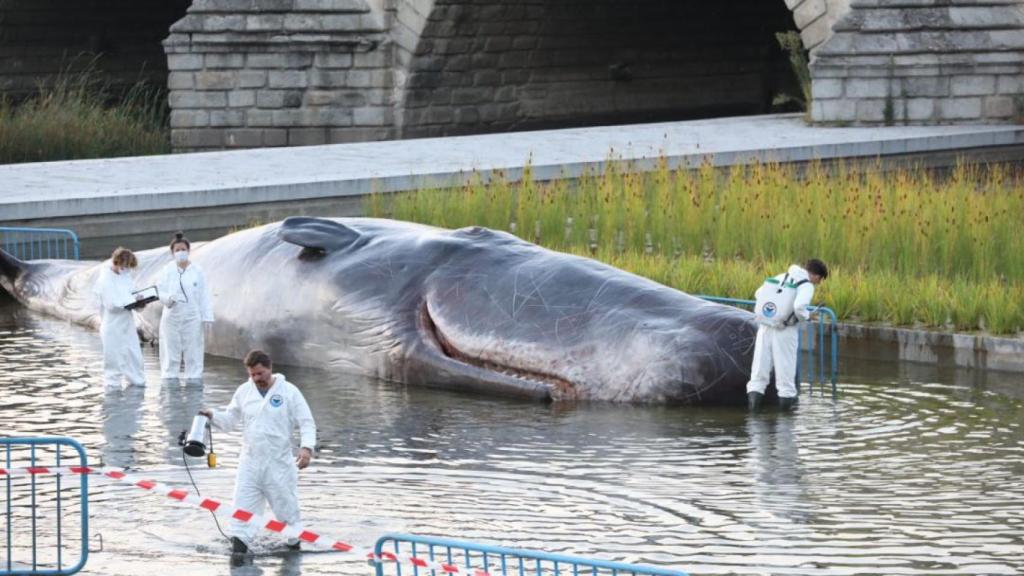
point(187, 313)
point(777, 344)
point(269, 409)
point(122, 354)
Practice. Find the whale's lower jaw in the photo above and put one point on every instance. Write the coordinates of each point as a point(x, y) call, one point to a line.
point(559, 388)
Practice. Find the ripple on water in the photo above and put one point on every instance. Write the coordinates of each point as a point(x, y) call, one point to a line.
point(904, 474)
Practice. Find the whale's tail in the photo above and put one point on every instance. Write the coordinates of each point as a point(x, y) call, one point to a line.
point(10, 270)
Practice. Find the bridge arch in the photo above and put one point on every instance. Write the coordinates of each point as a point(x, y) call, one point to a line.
point(466, 66)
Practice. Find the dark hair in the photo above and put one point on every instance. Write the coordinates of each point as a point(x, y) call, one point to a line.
point(257, 357)
point(124, 257)
point(815, 266)
point(179, 238)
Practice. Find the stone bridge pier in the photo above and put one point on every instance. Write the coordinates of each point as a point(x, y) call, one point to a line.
point(292, 72)
point(251, 73)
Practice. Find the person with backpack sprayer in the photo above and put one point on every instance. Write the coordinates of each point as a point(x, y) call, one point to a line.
point(781, 303)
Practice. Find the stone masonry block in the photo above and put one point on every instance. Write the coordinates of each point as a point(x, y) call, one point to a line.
point(926, 86)
point(180, 99)
point(960, 109)
point(252, 79)
point(242, 98)
point(282, 61)
point(180, 81)
point(920, 109)
point(264, 22)
point(1011, 84)
point(374, 59)
point(972, 85)
point(324, 117)
point(287, 118)
point(372, 116)
point(224, 23)
point(275, 137)
point(998, 107)
point(867, 88)
point(839, 110)
point(328, 78)
point(215, 80)
point(330, 5)
point(219, 61)
point(197, 138)
point(333, 60)
point(184, 62)
point(243, 138)
point(227, 118)
point(827, 88)
point(340, 135)
point(307, 136)
point(189, 118)
point(279, 98)
point(870, 111)
point(259, 118)
point(287, 79)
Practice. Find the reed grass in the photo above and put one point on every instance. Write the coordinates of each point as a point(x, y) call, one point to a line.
point(77, 117)
point(906, 247)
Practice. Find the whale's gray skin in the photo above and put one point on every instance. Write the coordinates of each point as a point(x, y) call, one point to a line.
point(469, 309)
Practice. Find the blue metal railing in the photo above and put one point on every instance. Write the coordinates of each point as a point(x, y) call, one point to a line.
point(39, 243)
point(470, 557)
point(45, 560)
point(813, 354)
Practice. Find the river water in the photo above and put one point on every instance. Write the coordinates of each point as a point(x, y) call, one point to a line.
point(911, 471)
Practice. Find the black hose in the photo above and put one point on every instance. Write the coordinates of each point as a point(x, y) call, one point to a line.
point(191, 479)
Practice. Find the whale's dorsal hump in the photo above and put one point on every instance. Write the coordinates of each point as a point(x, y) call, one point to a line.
point(316, 234)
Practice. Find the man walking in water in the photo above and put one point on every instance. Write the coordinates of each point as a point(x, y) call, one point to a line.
point(269, 409)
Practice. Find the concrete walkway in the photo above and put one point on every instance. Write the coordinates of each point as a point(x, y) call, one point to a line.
point(217, 179)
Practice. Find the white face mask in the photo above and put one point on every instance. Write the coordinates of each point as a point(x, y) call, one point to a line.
point(181, 256)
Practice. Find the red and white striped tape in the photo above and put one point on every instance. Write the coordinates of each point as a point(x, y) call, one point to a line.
point(262, 520)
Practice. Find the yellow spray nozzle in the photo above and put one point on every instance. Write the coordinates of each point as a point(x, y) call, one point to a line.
point(211, 460)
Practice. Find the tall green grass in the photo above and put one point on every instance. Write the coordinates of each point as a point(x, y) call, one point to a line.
point(907, 247)
point(77, 117)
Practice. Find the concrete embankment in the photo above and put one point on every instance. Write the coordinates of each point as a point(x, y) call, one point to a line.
point(209, 193)
point(932, 347)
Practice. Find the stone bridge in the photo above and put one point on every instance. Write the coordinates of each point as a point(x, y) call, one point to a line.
point(249, 73)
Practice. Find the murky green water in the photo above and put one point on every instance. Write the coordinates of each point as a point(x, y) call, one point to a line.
point(912, 471)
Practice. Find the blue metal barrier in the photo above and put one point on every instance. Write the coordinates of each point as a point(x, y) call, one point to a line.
point(39, 243)
point(470, 557)
point(44, 501)
point(813, 354)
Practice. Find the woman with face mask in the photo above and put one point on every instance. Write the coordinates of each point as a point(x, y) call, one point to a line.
point(187, 314)
point(122, 355)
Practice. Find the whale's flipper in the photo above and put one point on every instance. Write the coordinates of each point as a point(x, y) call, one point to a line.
point(317, 234)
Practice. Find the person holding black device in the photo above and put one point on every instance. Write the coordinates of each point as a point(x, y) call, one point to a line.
point(115, 289)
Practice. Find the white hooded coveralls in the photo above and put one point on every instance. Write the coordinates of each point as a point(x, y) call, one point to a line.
point(780, 346)
point(187, 305)
point(266, 470)
point(122, 355)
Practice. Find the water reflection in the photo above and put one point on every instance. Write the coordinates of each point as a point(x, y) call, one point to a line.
point(178, 405)
point(777, 482)
point(914, 470)
point(120, 423)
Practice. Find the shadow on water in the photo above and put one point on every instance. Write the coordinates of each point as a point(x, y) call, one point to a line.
point(913, 470)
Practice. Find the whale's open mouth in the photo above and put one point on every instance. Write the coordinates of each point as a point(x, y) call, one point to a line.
point(561, 389)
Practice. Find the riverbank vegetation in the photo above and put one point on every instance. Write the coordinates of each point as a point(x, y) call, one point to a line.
point(906, 247)
point(78, 117)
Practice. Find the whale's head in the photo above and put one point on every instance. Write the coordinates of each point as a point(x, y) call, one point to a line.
point(486, 311)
